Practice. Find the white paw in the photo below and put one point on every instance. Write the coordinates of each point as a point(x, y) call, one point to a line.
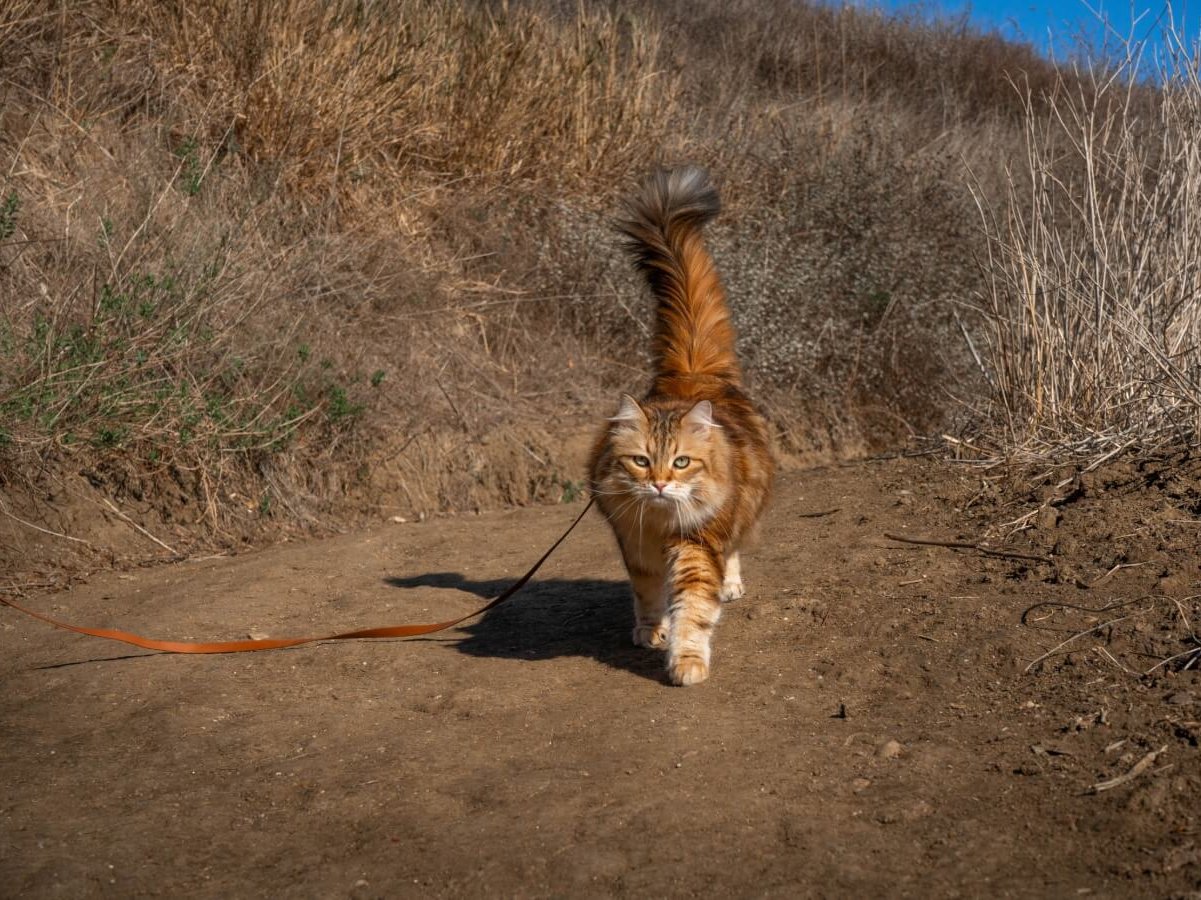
point(731, 590)
point(686, 670)
point(652, 636)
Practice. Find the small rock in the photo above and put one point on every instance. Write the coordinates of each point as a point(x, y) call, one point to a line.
point(400, 520)
point(1173, 585)
point(859, 785)
point(1048, 518)
point(890, 750)
point(258, 635)
point(919, 810)
point(1180, 698)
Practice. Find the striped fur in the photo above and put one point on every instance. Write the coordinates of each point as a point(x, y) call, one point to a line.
point(683, 474)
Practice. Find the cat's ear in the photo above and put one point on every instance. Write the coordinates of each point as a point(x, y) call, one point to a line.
point(699, 420)
point(630, 413)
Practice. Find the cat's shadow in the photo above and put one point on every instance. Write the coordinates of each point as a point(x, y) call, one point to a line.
point(549, 619)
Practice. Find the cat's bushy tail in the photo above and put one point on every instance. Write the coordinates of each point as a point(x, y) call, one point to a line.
point(694, 335)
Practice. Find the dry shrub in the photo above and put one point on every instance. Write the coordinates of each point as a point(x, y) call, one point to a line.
point(407, 89)
point(1093, 313)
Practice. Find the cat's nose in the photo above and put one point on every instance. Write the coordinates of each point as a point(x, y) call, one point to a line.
point(660, 485)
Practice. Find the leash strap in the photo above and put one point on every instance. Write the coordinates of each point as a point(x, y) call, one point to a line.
point(249, 646)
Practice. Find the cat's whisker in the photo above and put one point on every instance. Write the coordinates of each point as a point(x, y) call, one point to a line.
point(597, 490)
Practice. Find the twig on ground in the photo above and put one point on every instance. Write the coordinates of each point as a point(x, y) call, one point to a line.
point(1195, 651)
point(1179, 604)
point(1078, 634)
point(1103, 652)
point(1136, 770)
point(1021, 522)
point(960, 545)
point(1119, 566)
point(65, 537)
point(1089, 609)
point(818, 515)
point(18, 589)
point(170, 550)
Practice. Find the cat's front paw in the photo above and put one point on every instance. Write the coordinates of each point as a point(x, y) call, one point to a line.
point(731, 589)
point(686, 670)
point(652, 636)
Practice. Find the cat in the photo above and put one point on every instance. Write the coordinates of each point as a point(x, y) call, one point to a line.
point(683, 474)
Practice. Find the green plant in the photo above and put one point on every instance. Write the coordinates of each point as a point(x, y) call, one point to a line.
point(191, 170)
point(338, 405)
point(8, 215)
point(572, 490)
point(108, 437)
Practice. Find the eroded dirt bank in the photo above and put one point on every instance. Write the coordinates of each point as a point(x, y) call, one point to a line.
point(869, 728)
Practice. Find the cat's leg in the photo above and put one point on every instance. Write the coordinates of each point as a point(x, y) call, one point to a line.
point(695, 575)
point(646, 572)
point(650, 609)
point(731, 585)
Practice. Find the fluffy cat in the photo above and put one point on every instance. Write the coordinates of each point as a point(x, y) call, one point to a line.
point(683, 474)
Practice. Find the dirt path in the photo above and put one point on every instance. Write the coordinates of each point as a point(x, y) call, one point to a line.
point(537, 753)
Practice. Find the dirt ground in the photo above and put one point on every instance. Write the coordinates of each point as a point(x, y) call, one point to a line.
point(870, 727)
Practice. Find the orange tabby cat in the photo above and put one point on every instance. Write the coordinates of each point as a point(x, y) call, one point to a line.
point(683, 474)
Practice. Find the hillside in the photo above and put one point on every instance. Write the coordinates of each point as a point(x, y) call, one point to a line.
point(268, 274)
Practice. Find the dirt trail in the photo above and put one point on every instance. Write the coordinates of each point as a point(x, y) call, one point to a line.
point(537, 753)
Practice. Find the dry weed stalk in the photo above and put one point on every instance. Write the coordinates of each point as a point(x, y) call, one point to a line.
point(1093, 313)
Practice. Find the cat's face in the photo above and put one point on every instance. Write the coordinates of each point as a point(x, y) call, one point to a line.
point(665, 458)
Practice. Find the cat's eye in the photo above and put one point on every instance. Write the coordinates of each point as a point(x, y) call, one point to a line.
point(681, 462)
point(641, 462)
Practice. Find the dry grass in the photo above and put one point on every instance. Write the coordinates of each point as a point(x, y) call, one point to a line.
point(1093, 313)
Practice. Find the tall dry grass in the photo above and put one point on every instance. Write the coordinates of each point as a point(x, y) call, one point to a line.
point(1093, 312)
point(326, 92)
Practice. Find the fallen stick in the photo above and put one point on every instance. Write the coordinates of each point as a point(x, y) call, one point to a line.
point(139, 528)
point(959, 545)
point(818, 515)
point(57, 534)
point(1136, 770)
point(1078, 634)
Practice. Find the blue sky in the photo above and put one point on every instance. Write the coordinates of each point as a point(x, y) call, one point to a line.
point(1055, 26)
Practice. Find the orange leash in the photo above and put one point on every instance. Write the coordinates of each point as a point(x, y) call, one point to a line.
point(249, 646)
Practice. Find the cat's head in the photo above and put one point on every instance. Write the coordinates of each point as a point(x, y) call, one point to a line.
point(667, 456)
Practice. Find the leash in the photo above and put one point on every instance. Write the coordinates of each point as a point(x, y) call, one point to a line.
point(249, 646)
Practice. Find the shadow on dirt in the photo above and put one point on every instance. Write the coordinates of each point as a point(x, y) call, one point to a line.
point(549, 619)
